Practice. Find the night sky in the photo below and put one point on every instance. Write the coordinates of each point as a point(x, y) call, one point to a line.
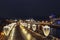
point(29, 8)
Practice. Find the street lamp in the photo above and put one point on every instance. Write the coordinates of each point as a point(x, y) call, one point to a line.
point(46, 30)
point(34, 27)
point(28, 26)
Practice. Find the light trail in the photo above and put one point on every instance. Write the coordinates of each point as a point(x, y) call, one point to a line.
point(12, 34)
point(26, 34)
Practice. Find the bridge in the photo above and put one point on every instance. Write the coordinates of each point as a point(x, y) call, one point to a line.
point(22, 31)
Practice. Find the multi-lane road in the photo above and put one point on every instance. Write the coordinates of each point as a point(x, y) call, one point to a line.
point(19, 32)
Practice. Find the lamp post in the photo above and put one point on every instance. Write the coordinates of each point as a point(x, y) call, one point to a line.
point(46, 30)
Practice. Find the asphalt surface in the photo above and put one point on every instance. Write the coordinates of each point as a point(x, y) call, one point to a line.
point(17, 34)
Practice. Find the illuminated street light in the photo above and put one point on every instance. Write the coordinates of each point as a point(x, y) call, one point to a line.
point(28, 26)
point(24, 24)
point(34, 27)
point(28, 37)
point(46, 30)
point(28, 20)
point(42, 21)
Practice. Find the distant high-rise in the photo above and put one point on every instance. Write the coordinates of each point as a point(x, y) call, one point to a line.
point(52, 16)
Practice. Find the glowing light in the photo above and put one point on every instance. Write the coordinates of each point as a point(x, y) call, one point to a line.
point(12, 34)
point(2, 33)
point(29, 26)
point(25, 32)
point(15, 20)
point(34, 27)
point(42, 21)
point(46, 30)
point(28, 37)
point(23, 29)
point(8, 28)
